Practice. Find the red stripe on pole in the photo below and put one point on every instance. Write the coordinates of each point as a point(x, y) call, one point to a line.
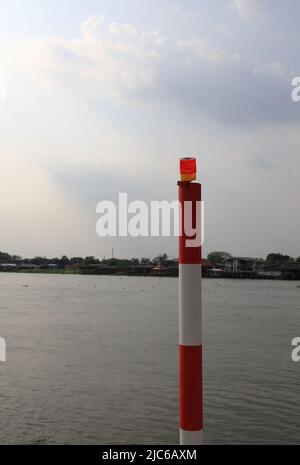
point(191, 410)
point(189, 192)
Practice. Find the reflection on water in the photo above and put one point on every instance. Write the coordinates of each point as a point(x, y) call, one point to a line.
point(93, 360)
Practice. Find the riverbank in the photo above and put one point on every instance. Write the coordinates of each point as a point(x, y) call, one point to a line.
point(149, 272)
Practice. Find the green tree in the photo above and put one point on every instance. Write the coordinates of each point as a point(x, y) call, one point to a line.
point(161, 259)
point(91, 261)
point(76, 260)
point(218, 257)
point(277, 258)
point(64, 261)
point(5, 257)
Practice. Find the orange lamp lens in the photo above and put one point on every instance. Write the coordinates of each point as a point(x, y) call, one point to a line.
point(188, 166)
point(188, 169)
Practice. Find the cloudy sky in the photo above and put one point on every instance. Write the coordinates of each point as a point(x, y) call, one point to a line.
point(104, 97)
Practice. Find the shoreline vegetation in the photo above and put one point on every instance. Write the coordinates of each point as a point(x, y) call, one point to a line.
point(216, 265)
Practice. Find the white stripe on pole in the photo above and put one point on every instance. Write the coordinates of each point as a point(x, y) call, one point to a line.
point(192, 438)
point(190, 305)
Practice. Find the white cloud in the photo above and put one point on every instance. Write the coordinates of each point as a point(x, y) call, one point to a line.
point(117, 63)
point(110, 59)
point(274, 69)
point(252, 8)
point(201, 49)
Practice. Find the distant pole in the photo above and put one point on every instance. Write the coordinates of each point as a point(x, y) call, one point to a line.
point(190, 311)
point(112, 253)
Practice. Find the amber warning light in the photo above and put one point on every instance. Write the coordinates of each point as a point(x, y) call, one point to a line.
point(188, 169)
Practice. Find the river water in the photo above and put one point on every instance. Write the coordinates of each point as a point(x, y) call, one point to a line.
point(93, 360)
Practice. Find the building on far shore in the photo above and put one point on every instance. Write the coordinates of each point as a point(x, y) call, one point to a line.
point(291, 270)
point(238, 264)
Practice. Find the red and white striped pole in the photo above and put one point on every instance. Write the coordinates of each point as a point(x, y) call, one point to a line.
point(190, 307)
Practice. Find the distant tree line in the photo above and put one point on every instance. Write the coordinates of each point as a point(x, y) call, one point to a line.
point(65, 261)
point(219, 257)
point(216, 258)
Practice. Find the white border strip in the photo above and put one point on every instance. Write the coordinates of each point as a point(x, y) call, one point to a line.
point(3, 90)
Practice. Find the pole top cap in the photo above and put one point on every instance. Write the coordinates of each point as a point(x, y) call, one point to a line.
point(188, 169)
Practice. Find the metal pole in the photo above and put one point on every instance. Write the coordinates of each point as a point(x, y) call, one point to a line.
point(190, 308)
